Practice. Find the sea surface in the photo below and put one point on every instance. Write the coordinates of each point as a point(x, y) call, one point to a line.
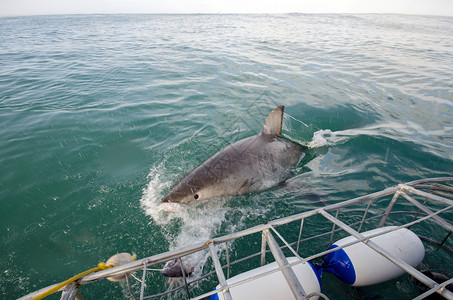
point(101, 114)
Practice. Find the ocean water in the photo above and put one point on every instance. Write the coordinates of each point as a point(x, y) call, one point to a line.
point(101, 114)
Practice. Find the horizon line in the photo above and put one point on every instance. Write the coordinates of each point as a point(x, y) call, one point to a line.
point(218, 13)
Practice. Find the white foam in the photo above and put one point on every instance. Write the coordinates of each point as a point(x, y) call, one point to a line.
point(319, 138)
point(152, 194)
point(327, 137)
point(169, 207)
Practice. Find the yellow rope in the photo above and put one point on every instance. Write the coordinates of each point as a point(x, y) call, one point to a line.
point(101, 266)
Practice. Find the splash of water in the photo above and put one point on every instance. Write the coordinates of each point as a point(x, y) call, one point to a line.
point(196, 223)
point(199, 222)
point(327, 137)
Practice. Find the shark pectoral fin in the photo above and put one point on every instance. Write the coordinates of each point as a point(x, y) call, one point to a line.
point(273, 124)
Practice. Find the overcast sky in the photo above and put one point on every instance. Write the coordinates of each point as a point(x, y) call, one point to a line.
point(40, 7)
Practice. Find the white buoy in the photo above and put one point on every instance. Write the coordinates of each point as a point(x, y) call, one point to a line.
point(117, 260)
point(359, 265)
point(273, 286)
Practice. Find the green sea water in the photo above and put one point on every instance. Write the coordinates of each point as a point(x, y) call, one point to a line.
point(101, 114)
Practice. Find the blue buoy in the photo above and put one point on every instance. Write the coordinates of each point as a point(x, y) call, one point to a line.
point(360, 265)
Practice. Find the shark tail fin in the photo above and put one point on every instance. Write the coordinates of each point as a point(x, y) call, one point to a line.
point(273, 124)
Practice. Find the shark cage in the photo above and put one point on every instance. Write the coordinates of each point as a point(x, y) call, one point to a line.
point(363, 241)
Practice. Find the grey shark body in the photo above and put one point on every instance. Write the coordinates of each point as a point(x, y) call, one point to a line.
point(252, 164)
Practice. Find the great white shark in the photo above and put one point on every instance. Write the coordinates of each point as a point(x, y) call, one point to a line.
point(251, 164)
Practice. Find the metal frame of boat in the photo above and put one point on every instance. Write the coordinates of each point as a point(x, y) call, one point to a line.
point(423, 200)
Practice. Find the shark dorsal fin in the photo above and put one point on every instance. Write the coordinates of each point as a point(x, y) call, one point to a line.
point(273, 124)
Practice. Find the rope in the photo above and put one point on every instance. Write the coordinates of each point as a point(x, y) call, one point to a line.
point(101, 266)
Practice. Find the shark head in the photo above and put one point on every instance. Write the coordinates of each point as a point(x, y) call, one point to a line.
point(182, 194)
point(194, 187)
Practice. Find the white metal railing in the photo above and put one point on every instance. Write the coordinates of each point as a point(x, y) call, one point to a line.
point(418, 194)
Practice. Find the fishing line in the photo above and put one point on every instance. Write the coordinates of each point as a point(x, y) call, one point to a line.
point(286, 114)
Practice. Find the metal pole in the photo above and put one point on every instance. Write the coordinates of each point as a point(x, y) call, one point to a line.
point(430, 180)
point(142, 289)
point(300, 234)
point(184, 277)
point(434, 289)
point(69, 292)
point(439, 220)
point(288, 273)
point(405, 187)
point(333, 229)
point(228, 259)
point(286, 243)
point(389, 209)
point(364, 215)
point(263, 247)
point(129, 288)
point(219, 271)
